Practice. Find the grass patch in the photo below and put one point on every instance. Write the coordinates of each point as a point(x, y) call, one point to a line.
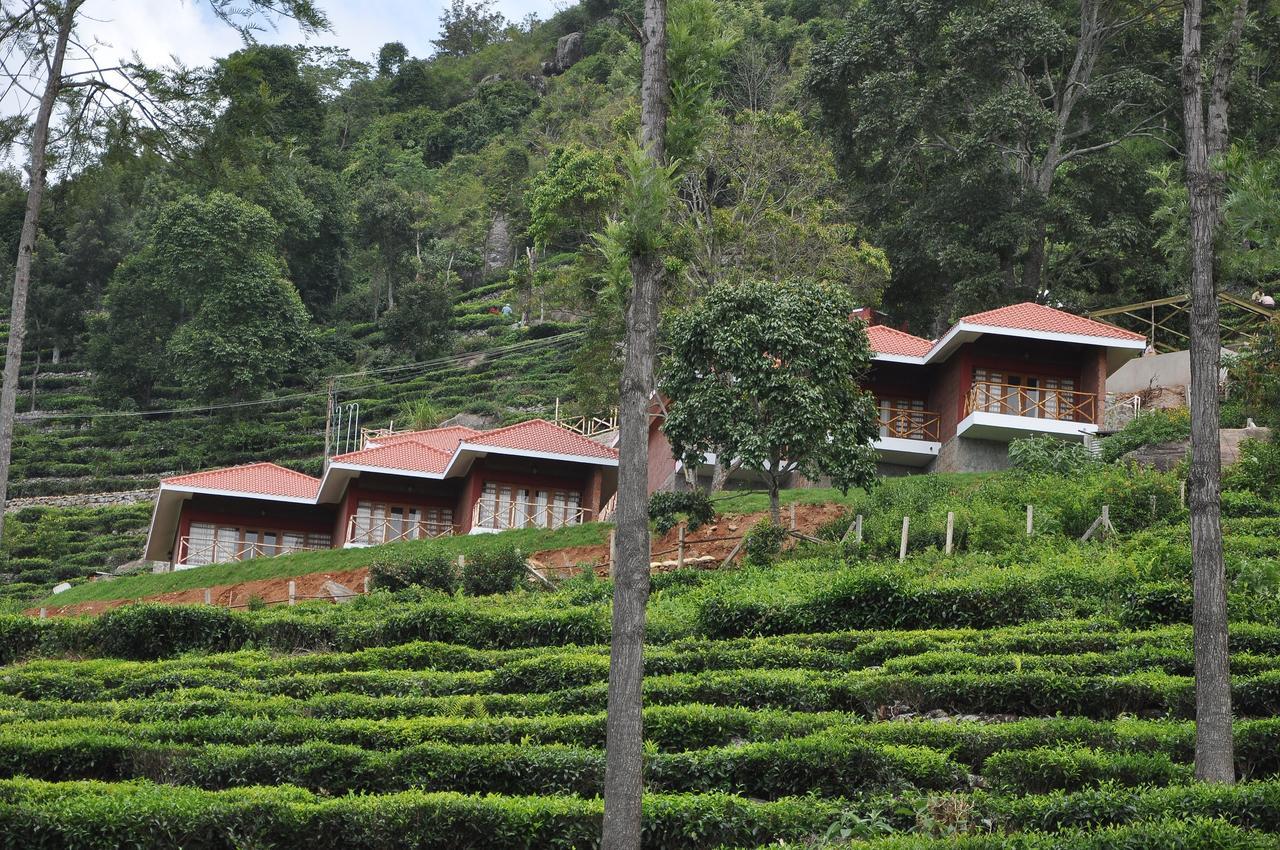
point(327, 561)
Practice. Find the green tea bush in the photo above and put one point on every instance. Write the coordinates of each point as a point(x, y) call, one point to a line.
point(763, 542)
point(666, 506)
point(493, 571)
point(1045, 769)
point(155, 631)
point(416, 568)
point(1258, 469)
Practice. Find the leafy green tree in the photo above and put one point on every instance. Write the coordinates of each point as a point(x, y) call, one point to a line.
point(250, 329)
point(267, 95)
point(569, 197)
point(210, 268)
point(767, 373)
point(467, 27)
point(419, 322)
point(958, 120)
point(390, 57)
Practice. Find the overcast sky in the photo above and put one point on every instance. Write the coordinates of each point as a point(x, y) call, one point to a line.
point(158, 29)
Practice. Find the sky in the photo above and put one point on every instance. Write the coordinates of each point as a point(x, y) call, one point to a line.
point(186, 29)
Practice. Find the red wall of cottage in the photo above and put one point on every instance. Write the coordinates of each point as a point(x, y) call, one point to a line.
point(256, 514)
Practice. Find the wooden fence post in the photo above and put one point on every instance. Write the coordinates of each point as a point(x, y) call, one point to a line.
point(951, 529)
point(208, 596)
point(793, 516)
point(857, 534)
point(1030, 520)
point(366, 585)
point(462, 565)
point(293, 593)
point(1182, 495)
point(680, 549)
point(612, 549)
point(44, 613)
point(902, 549)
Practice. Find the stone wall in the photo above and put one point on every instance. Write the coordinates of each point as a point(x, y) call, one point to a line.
point(82, 500)
point(962, 454)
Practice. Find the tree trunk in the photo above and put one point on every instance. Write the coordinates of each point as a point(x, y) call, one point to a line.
point(1033, 263)
point(624, 735)
point(1214, 759)
point(775, 503)
point(26, 250)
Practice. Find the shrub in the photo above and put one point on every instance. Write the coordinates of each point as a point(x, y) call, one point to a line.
point(764, 542)
point(147, 632)
point(1148, 429)
point(493, 571)
point(1258, 469)
point(665, 508)
point(1045, 455)
point(433, 570)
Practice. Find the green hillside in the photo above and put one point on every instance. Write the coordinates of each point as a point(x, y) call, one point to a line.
point(1015, 694)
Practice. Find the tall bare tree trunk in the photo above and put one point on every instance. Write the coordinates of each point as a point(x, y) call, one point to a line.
point(26, 251)
point(1214, 759)
point(624, 736)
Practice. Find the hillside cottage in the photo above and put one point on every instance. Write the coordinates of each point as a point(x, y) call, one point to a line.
point(404, 486)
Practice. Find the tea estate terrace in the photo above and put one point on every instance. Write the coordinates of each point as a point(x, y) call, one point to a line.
point(403, 486)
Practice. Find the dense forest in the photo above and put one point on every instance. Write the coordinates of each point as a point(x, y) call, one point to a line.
point(312, 213)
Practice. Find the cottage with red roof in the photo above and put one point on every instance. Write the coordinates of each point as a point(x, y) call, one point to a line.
point(402, 486)
point(953, 404)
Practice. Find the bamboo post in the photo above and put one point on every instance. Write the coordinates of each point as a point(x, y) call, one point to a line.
point(848, 531)
point(793, 516)
point(293, 593)
point(902, 549)
point(951, 529)
point(680, 549)
point(1030, 520)
point(1153, 507)
point(208, 596)
point(44, 613)
point(612, 548)
point(734, 553)
point(857, 534)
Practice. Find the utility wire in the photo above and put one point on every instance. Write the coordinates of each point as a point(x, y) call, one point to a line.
point(420, 369)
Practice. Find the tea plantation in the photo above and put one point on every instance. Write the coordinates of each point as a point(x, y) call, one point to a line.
point(1028, 693)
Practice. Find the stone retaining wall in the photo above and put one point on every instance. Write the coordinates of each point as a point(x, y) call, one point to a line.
point(82, 500)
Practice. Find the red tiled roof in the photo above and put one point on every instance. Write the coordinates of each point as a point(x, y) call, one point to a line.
point(887, 340)
point(539, 435)
point(408, 454)
point(263, 479)
point(445, 439)
point(1037, 317)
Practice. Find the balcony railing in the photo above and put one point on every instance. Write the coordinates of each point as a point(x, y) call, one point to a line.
point(506, 515)
point(1034, 402)
point(200, 552)
point(908, 424)
point(368, 531)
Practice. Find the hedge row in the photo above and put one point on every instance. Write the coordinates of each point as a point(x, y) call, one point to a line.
point(94, 816)
point(830, 765)
point(148, 632)
point(667, 728)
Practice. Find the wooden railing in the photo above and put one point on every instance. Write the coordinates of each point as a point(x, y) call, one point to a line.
point(501, 516)
point(1034, 402)
point(908, 424)
point(367, 531)
point(588, 426)
point(201, 552)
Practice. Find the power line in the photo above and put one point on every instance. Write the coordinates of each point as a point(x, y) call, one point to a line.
point(414, 370)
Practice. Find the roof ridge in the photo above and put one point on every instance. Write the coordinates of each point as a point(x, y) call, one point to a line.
point(251, 465)
point(534, 421)
point(388, 447)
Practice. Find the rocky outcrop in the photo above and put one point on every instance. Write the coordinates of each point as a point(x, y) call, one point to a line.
point(569, 52)
point(1166, 456)
point(499, 246)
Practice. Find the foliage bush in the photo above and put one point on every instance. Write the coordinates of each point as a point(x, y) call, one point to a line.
point(493, 571)
point(763, 542)
point(1149, 428)
point(1045, 455)
point(666, 506)
point(1258, 469)
point(417, 568)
